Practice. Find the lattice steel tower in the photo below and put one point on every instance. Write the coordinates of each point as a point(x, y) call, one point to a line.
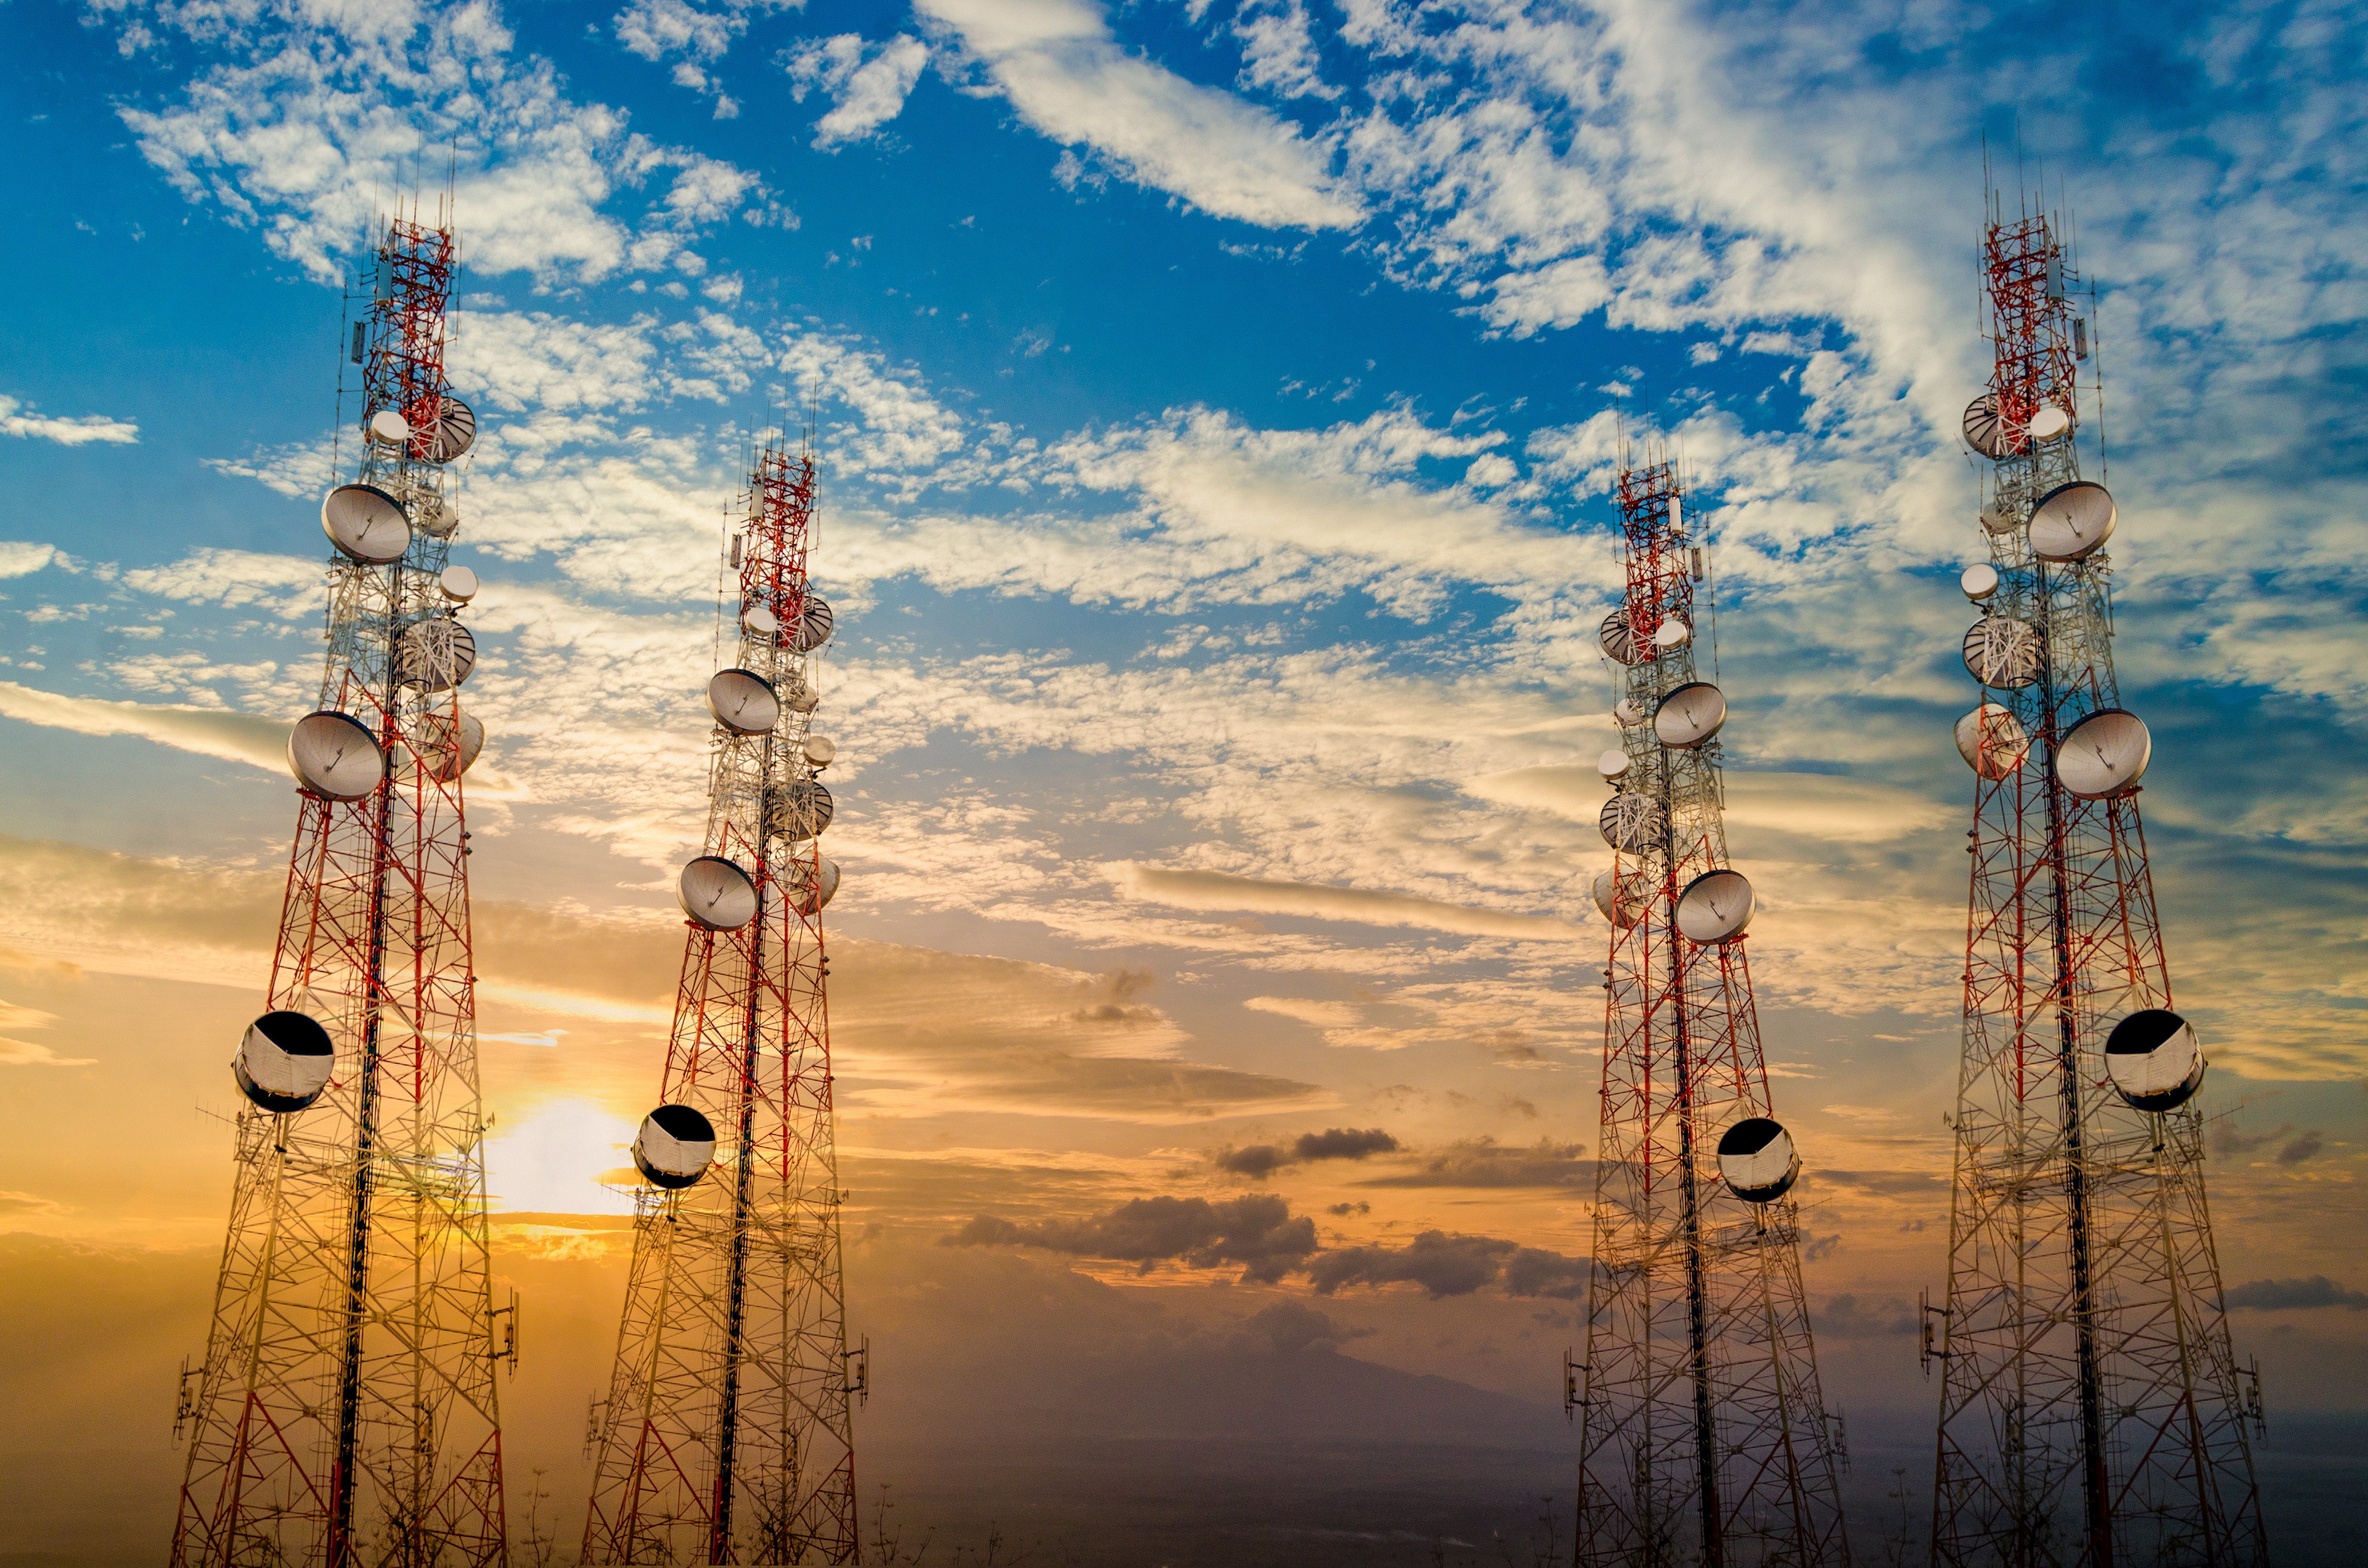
point(2092, 1409)
point(344, 1413)
point(1703, 1438)
point(726, 1436)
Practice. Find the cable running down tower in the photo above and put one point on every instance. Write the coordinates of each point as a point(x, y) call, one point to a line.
point(345, 1411)
point(1704, 1441)
point(727, 1434)
point(2092, 1409)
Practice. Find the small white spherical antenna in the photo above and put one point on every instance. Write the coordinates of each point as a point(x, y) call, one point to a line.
point(2155, 1060)
point(1626, 713)
point(2049, 422)
point(1632, 822)
point(798, 697)
point(455, 432)
point(1617, 638)
point(1979, 581)
point(440, 518)
point(716, 894)
point(2002, 651)
point(812, 888)
point(448, 748)
point(2105, 754)
point(821, 750)
point(674, 1147)
point(814, 625)
point(1671, 633)
point(1689, 715)
point(435, 654)
point(284, 1063)
point(366, 524)
point(761, 623)
point(457, 583)
point(1618, 898)
point(335, 756)
point(1757, 1160)
point(803, 811)
point(744, 702)
point(2072, 521)
point(1985, 431)
point(388, 427)
point(1612, 764)
point(1715, 908)
point(1992, 741)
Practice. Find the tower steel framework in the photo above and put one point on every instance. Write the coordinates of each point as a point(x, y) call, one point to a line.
point(345, 1411)
point(2093, 1412)
point(1704, 1439)
point(726, 1436)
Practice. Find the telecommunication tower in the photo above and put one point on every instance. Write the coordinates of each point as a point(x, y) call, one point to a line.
point(1704, 1441)
point(727, 1435)
point(344, 1413)
point(2093, 1412)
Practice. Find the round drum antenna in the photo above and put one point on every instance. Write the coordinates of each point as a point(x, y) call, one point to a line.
point(675, 1146)
point(284, 1063)
point(1757, 1161)
point(2154, 1059)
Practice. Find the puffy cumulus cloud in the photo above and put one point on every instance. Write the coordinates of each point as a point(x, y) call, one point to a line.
point(22, 558)
point(1260, 1233)
point(234, 738)
point(515, 360)
point(22, 421)
point(2289, 1295)
point(1060, 68)
point(1450, 1264)
point(1258, 1161)
point(1485, 1162)
point(867, 83)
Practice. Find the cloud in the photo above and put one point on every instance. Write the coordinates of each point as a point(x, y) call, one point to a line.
point(1290, 1328)
point(1219, 890)
point(1847, 1317)
point(22, 558)
point(2303, 1148)
point(2289, 1295)
point(1258, 1161)
point(21, 419)
point(867, 83)
point(1484, 1162)
point(234, 738)
point(24, 1054)
point(1056, 62)
point(1445, 1264)
point(1258, 1232)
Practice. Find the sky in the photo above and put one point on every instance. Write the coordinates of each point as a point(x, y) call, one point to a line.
point(1215, 404)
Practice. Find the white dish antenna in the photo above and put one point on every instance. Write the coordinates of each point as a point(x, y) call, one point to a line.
point(2072, 521)
point(388, 427)
point(1715, 908)
point(1612, 764)
point(1618, 639)
point(815, 624)
point(335, 756)
point(1689, 715)
point(1757, 1160)
point(1992, 741)
point(2155, 1061)
point(1985, 431)
point(716, 894)
point(448, 749)
point(284, 1063)
point(1671, 633)
point(457, 583)
point(1627, 714)
point(2050, 422)
point(2105, 754)
point(435, 654)
point(821, 750)
point(2003, 651)
point(797, 696)
point(455, 431)
point(761, 623)
point(744, 702)
point(803, 811)
point(1632, 822)
point(366, 524)
point(1979, 581)
point(442, 521)
point(812, 888)
point(1996, 520)
point(1619, 899)
point(674, 1147)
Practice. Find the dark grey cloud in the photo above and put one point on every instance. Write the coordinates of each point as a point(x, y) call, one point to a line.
point(1259, 1161)
point(1485, 1162)
point(1290, 1328)
point(2302, 1149)
point(1884, 1184)
point(1260, 1233)
point(2285, 1295)
point(1533, 1271)
point(2227, 1141)
point(1847, 1317)
point(1443, 1263)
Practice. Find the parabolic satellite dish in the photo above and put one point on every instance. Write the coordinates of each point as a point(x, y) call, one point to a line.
point(1671, 633)
point(1985, 431)
point(2071, 521)
point(797, 696)
point(1689, 715)
point(1980, 581)
point(717, 893)
point(2155, 1060)
point(1757, 1160)
point(1715, 908)
point(811, 889)
point(366, 524)
point(1612, 764)
point(457, 583)
point(447, 748)
point(1626, 713)
point(2000, 519)
point(2104, 754)
point(743, 702)
point(1992, 741)
point(761, 623)
point(443, 518)
point(814, 624)
point(821, 750)
point(335, 756)
point(675, 1146)
point(2003, 651)
point(1618, 639)
point(455, 431)
point(802, 811)
point(435, 654)
point(388, 427)
point(2049, 422)
point(1632, 822)
point(284, 1063)
point(1618, 898)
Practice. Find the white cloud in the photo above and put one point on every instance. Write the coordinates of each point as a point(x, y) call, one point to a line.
point(21, 420)
point(233, 737)
point(1057, 63)
point(22, 558)
point(867, 84)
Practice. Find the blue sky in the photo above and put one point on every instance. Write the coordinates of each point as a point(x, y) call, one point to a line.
point(1216, 404)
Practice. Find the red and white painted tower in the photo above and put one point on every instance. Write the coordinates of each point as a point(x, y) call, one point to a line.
point(2092, 1409)
point(1704, 1440)
point(344, 1413)
point(727, 1434)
